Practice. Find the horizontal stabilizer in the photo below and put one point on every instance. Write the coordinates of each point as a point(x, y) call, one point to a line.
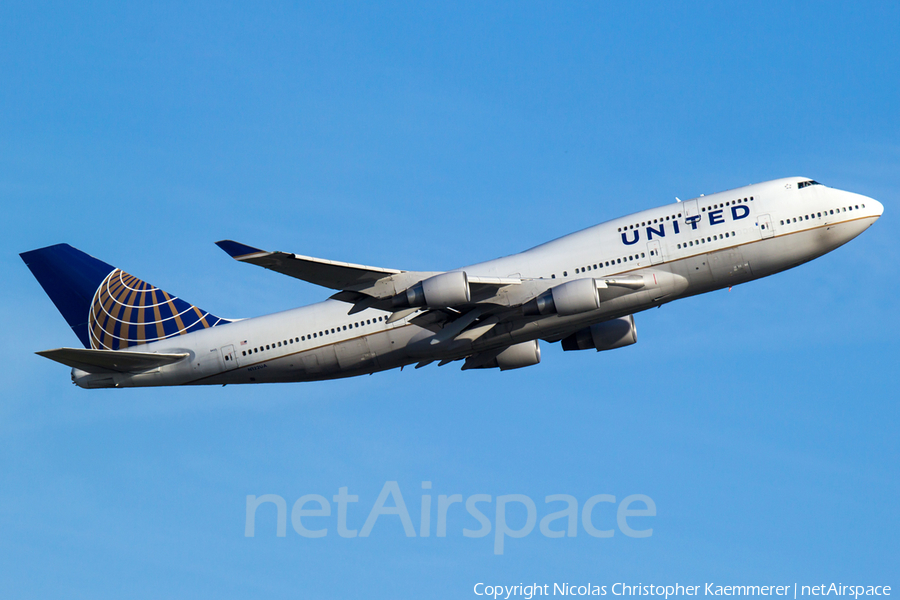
point(110, 361)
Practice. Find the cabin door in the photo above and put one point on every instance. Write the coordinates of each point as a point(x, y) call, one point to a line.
point(765, 226)
point(229, 357)
point(690, 208)
point(654, 252)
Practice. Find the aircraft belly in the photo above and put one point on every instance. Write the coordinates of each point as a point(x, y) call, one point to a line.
point(696, 270)
point(729, 266)
point(355, 354)
point(320, 361)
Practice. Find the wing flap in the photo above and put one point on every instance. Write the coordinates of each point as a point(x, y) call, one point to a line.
point(110, 361)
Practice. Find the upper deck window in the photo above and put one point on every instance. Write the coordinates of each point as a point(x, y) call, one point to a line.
point(804, 184)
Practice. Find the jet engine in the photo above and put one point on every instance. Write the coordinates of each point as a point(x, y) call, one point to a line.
point(441, 291)
point(516, 356)
point(570, 298)
point(603, 336)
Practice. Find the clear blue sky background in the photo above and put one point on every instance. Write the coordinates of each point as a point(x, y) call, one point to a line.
point(763, 422)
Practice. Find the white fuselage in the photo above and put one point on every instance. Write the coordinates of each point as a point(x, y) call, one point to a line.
point(686, 248)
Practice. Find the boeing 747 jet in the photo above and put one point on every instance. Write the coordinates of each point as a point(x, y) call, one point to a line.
point(582, 290)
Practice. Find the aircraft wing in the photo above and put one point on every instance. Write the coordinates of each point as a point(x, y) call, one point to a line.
point(327, 273)
point(110, 361)
point(378, 282)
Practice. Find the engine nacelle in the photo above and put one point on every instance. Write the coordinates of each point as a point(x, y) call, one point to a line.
point(441, 291)
point(520, 355)
point(603, 336)
point(516, 356)
point(570, 298)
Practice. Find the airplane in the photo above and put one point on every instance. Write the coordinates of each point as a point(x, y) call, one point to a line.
point(582, 290)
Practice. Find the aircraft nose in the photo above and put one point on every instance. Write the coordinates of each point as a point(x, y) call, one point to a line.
point(877, 207)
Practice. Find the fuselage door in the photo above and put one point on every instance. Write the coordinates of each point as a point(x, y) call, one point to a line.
point(765, 226)
point(690, 208)
point(654, 252)
point(229, 357)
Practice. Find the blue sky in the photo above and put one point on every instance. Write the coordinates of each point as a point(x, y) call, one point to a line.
point(762, 421)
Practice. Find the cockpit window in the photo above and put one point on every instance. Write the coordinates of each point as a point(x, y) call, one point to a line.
point(804, 184)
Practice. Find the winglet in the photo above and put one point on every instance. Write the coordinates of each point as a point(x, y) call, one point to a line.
point(236, 249)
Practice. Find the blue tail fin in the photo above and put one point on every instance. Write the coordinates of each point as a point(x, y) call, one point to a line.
point(107, 308)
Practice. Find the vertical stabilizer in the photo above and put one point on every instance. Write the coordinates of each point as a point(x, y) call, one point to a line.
point(107, 308)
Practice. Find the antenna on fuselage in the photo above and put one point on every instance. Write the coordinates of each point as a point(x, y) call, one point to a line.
point(677, 199)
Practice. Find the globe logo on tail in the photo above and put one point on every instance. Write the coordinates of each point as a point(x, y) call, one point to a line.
point(127, 311)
